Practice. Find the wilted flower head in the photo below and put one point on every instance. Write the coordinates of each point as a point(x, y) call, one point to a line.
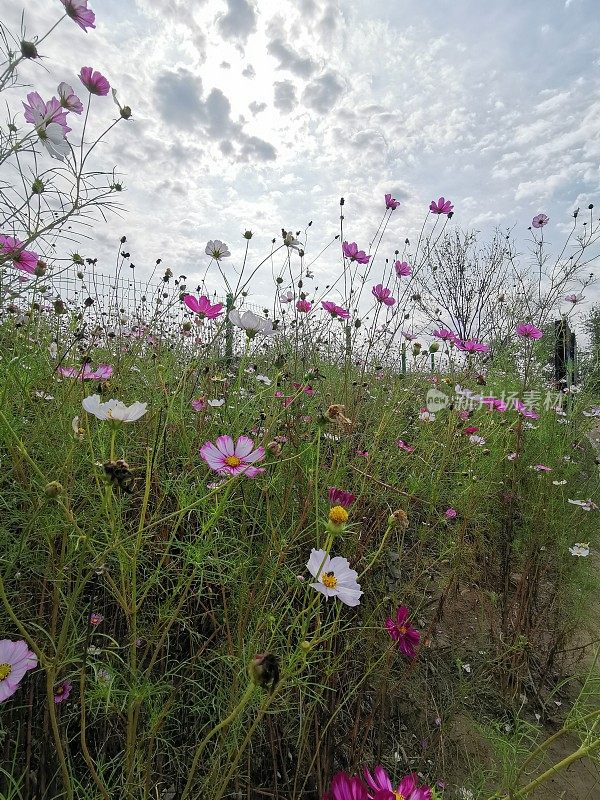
point(540, 220)
point(217, 249)
point(113, 410)
point(228, 458)
point(334, 578)
point(528, 331)
point(94, 81)
point(202, 306)
point(352, 252)
point(199, 403)
point(334, 310)
point(252, 323)
point(391, 202)
point(264, 670)
point(403, 633)
point(383, 295)
point(15, 659)
point(442, 206)
point(403, 269)
point(337, 413)
point(80, 13)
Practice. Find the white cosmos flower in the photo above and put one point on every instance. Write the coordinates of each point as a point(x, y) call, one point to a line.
point(264, 380)
point(52, 136)
point(113, 410)
point(580, 549)
point(334, 578)
point(216, 403)
point(217, 249)
point(586, 505)
point(252, 323)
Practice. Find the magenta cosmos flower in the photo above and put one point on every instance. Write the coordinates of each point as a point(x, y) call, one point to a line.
point(383, 295)
point(228, 459)
point(408, 788)
point(352, 252)
point(80, 13)
point(528, 331)
point(494, 403)
point(102, 372)
point(15, 659)
point(450, 513)
point(25, 260)
point(37, 112)
point(339, 497)
point(343, 787)
point(199, 403)
point(442, 206)
point(94, 81)
point(335, 311)
point(403, 269)
point(404, 446)
point(472, 346)
point(62, 691)
point(524, 411)
point(403, 633)
point(202, 306)
point(540, 220)
point(391, 202)
point(304, 306)
point(445, 335)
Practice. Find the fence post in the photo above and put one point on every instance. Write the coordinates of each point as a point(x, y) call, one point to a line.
point(228, 329)
point(564, 353)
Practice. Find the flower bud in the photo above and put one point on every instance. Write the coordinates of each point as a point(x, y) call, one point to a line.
point(40, 268)
point(337, 519)
point(37, 187)
point(264, 670)
point(77, 259)
point(53, 489)
point(60, 307)
point(434, 347)
point(248, 234)
point(125, 112)
point(187, 326)
point(29, 50)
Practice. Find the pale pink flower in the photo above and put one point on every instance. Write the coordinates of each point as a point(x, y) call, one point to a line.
point(541, 468)
point(575, 298)
point(15, 659)
point(62, 691)
point(451, 513)
point(540, 220)
point(80, 13)
point(442, 206)
point(228, 458)
point(402, 445)
point(85, 373)
point(39, 113)
point(199, 404)
point(94, 81)
point(68, 99)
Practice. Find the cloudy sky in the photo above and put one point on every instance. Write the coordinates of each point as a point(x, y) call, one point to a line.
point(260, 114)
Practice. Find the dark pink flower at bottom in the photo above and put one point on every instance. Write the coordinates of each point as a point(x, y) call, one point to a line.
point(339, 497)
point(403, 633)
point(343, 787)
point(408, 789)
point(202, 306)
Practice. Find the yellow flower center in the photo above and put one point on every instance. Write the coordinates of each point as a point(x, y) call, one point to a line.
point(338, 515)
point(5, 670)
point(398, 796)
point(329, 580)
point(402, 630)
point(233, 461)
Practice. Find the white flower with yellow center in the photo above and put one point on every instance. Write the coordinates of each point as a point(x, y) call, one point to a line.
point(113, 410)
point(334, 578)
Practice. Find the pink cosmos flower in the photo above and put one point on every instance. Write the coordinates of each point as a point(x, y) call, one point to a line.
point(542, 468)
point(15, 659)
point(451, 513)
point(442, 206)
point(407, 789)
point(391, 202)
point(494, 403)
point(96, 618)
point(80, 13)
point(94, 81)
point(85, 373)
point(228, 459)
point(62, 691)
point(410, 337)
point(39, 113)
point(575, 298)
point(472, 346)
point(540, 220)
point(383, 295)
point(304, 388)
point(403, 269)
point(445, 335)
point(403, 633)
point(25, 260)
point(464, 415)
point(202, 306)
point(470, 430)
point(304, 306)
point(406, 447)
point(339, 497)
point(343, 787)
point(528, 331)
point(199, 404)
point(68, 99)
point(335, 311)
point(524, 411)
point(352, 252)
